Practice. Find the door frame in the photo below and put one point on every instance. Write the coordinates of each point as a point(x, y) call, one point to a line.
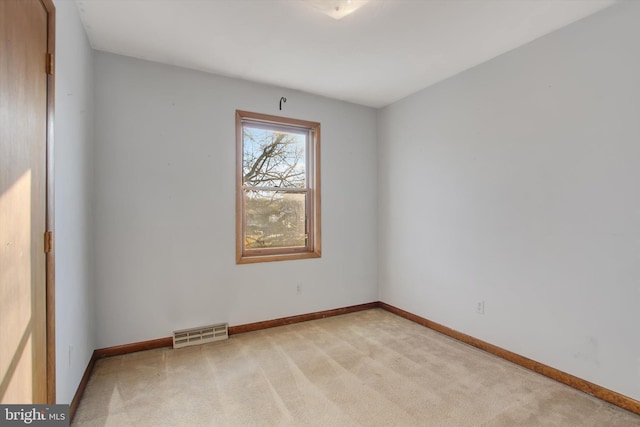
point(50, 218)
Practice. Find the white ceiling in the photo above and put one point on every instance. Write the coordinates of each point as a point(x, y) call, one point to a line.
point(379, 54)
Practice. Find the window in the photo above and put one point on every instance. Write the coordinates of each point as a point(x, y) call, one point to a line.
point(278, 188)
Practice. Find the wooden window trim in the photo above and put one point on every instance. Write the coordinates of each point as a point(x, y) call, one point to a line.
point(50, 207)
point(314, 217)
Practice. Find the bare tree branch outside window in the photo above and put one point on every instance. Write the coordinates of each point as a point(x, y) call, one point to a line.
point(273, 159)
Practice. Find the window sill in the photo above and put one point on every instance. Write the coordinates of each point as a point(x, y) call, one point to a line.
point(251, 259)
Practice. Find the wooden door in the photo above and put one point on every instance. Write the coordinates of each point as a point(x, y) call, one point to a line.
point(25, 98)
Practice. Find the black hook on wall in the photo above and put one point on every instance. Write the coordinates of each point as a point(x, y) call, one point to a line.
point(283, 99)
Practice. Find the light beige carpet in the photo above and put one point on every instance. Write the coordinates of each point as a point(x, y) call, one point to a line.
point(370, 368)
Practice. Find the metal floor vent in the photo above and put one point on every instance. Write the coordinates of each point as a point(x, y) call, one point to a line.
point(196, 336)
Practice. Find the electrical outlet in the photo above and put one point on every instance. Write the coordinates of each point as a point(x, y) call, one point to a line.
point(480, 307)
point(70, 351)
point(299, 289)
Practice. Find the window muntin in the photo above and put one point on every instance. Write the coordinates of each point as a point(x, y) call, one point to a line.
point(278, 181)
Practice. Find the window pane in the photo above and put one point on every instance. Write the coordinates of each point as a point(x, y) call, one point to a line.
point(273, 158)
point(274, 219)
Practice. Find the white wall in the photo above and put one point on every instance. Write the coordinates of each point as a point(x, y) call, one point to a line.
point(517, 183)
point(165, 204)
point(73, 154)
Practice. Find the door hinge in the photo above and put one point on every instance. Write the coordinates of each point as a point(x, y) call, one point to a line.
point(50, 63)
point(48, 241)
